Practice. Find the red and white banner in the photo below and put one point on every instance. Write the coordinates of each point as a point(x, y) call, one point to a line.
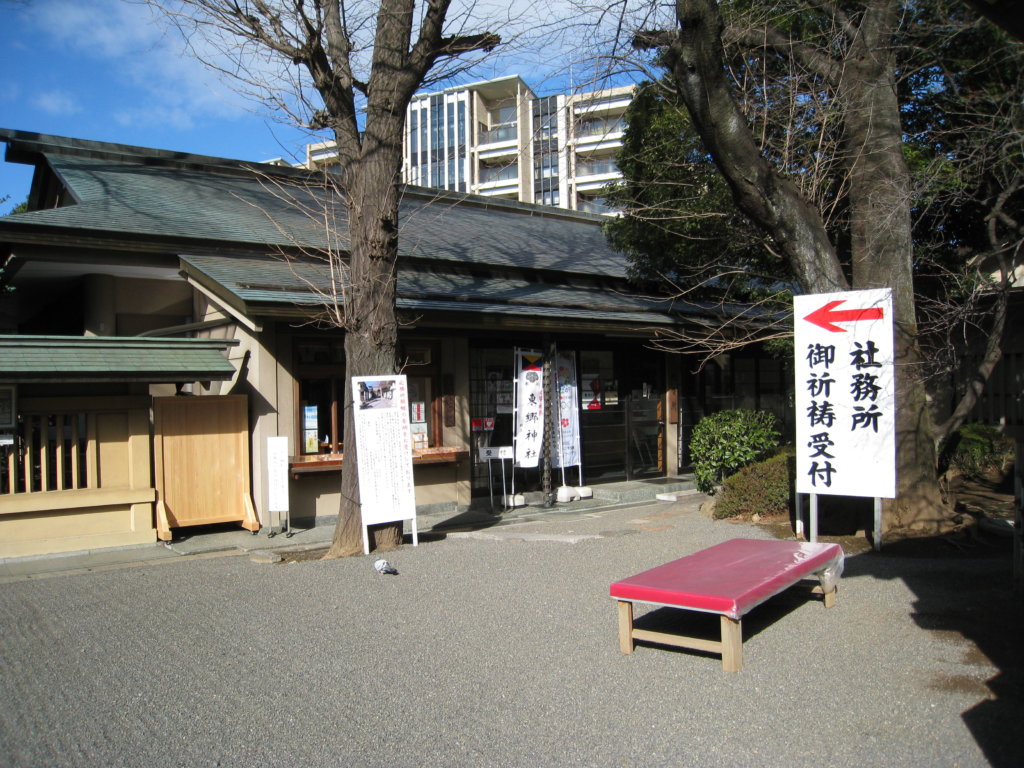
point(529, 419)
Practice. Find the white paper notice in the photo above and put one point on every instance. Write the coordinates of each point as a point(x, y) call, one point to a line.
point(386, 487)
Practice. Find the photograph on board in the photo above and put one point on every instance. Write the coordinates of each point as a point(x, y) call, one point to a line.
point(377, 394)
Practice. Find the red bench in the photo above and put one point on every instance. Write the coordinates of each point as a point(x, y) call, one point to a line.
point(728, 579)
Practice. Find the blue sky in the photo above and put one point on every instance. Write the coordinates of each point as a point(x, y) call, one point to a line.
point(106, 70)
point(103, 70)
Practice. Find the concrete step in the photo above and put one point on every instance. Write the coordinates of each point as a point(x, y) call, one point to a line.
point(644, 490)
point(626, 492)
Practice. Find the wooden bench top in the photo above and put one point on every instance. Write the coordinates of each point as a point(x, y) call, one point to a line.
point(732, 577)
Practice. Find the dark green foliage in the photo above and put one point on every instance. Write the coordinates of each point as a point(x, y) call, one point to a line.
point(964, 143)
point(763, 487)
point(19, 208)
point(977, 449)
point(726, 441)
point(679, 222)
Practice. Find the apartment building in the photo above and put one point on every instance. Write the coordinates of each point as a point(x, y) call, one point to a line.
point(497, 138)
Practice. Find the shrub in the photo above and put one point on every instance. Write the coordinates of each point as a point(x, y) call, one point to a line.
point(977, 449)
point(762, 487)
point(726, 441)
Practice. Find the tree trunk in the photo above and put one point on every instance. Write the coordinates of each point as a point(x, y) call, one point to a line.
point(371, 165)
point(371, 327)
point(882, 247)
point(771, 201)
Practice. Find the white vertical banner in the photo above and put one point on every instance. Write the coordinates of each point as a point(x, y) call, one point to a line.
point(277, 475)
point(386, 487)
point(845, 394)
point(529, 433)
point(566, 399)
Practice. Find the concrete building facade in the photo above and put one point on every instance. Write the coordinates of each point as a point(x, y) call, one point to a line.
point(497, 138)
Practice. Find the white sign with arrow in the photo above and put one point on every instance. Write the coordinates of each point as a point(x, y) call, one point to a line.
point(845, 394)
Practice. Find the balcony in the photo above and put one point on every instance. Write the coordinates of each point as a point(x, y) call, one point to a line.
point(596, 205)
point(603, 103)
point(604, 166)
point(500, 133)
point(489, 174)
point(600, 128)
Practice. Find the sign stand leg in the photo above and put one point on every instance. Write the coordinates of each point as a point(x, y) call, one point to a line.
point(366, 540)
point(490, 482)
point(814, 517)
point(799, 515)
point(878, 523)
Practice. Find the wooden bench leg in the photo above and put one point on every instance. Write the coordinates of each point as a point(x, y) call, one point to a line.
point(732, 644)
point(626, 626)
point(830, 598)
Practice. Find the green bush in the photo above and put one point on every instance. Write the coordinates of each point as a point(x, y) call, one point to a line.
point(726, 441)
point(762, 487)
point(976, 449)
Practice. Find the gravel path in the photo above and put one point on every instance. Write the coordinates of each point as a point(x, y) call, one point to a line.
point(499, 648)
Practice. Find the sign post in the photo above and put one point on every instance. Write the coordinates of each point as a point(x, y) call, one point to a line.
point(500, 453)
point(845, 397)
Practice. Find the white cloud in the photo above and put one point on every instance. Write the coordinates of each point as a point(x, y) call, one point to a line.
point(57, 103)
point(152, 81)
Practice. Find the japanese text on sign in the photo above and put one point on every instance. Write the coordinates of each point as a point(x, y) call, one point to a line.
point(529, 433)
point(845, 402)
point(381, 411)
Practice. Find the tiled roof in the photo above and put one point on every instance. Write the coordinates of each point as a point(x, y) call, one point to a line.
point(90, 358)
point(257, 281)
point(122, 191)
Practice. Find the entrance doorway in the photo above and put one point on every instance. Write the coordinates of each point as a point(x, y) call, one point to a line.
point(622, 424)
point(622, 432)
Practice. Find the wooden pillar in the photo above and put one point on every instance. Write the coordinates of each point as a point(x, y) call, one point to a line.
point(732, 644)
point(626, 626)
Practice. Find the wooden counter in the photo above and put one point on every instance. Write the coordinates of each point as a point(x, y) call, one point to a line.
point(331, 462)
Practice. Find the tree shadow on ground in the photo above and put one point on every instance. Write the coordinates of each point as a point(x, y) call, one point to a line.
point(963, 589)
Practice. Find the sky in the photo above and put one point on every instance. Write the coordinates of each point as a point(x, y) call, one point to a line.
point(104, 70)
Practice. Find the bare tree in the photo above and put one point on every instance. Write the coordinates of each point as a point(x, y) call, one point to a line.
point(848, 52)
point(350, 68)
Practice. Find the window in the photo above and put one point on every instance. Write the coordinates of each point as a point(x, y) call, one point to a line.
point(546, 197)
point(320, 371)
point(320, 374)
point(547, 165)
point(503, 113)
point(419, 363)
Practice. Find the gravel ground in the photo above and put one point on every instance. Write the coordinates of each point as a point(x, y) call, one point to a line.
point(499, 648)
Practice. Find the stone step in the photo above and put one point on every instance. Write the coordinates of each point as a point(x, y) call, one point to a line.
point(626, 492)
point(644, 490)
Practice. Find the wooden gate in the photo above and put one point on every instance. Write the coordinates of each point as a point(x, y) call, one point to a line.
point(201, 458)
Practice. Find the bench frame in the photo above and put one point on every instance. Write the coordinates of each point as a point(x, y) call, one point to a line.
point(730, 647)
point(701, 569)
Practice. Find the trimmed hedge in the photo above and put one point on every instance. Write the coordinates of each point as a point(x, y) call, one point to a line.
point(724, 442)
point(762, 487)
